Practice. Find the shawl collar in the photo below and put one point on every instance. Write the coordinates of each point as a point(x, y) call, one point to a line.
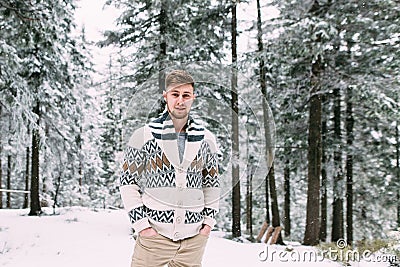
point(164, 133)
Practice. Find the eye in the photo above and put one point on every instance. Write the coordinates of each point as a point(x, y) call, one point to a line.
point(187, 96)
point(175, 94)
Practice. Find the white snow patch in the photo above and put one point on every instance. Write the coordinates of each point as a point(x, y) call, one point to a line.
point(85, 237)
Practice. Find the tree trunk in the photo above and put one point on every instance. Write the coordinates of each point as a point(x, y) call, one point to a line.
point(27, 155)
point(162, 52)
point(55, 200)
point(80, 162)
point(398, 173)
point(8, 201)
point(1, 164)
point(1, 182)
point(236, 231)
point(311, 236)
point(286, 175)
point(249, 202)
point(35, 202)
point(324, 180)
point(276, 221)
point(349, 166)
point(267, 205)
point(267, 130)
point(337, 205)
point(26, 195)
point(249, 191)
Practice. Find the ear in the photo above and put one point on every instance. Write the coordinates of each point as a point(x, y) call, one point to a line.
point(164, 95)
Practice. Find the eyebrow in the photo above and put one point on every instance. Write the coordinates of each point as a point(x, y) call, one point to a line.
point(177, 91)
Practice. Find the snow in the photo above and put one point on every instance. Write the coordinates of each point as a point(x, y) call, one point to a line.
point(80, 236)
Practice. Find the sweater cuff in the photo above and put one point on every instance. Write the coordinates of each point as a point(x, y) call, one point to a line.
point(140, 225)
point(209, 221)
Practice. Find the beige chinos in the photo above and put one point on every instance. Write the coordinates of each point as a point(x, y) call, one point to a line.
point(159, 251)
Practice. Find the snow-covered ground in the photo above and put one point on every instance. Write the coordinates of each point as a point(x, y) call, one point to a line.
point(86, 237)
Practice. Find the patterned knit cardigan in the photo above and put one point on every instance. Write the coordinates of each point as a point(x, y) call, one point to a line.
point(158, 190)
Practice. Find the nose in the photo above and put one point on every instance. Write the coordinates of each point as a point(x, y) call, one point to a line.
point(180, 99)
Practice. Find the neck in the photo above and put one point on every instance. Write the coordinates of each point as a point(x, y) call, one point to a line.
point(179, 124)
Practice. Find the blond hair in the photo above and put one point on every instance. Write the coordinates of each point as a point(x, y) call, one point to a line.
point(178, 77)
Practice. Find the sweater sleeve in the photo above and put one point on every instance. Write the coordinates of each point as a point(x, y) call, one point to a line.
point(130, 176)
point(211, 184)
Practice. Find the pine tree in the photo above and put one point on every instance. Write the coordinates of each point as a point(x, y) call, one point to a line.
point(161, 35)
point(42, 92)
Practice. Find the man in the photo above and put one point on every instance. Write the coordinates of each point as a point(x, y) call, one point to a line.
point(169, 182)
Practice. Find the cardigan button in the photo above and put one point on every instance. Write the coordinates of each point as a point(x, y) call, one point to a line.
point(176, 235)
point(178, 220)
point(180, 203)
point(180, 169)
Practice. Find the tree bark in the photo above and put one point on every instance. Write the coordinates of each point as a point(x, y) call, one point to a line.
point(276, 220)
point(8, 200)
point(249, 189)
point(267, 205)
point(267, 130)
point(311, 236)
point(349, 166)
point(1, 164)
point(337, 205)
point(26, 195)
point(286, 174)
point(249, 202)
point(324, 180)
point(162, 52)
point(35, 202)
point(58, 185)
point(27, 157)
point(80, 163)
point(398, 173)
point(236, 231)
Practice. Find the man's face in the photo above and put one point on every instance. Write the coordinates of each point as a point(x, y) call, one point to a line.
point(179, 100)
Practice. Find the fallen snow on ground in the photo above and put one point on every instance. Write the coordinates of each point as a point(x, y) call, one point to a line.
point(85, 237)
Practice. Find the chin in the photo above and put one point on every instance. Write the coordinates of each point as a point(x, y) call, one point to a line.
point(179, 115)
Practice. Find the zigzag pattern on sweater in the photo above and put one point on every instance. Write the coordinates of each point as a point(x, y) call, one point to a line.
point(198, 162)
point(210, 173)
point(196, 165)
point(137, 214)
point(193, 180)
point(193, 217)
point(166, 179)
point(157, 161)
point(212, 159)
point(127, 178)
point(132, 167)
point(159, 171)
point(151, 147)
point(209, 212)
point(162, 216)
